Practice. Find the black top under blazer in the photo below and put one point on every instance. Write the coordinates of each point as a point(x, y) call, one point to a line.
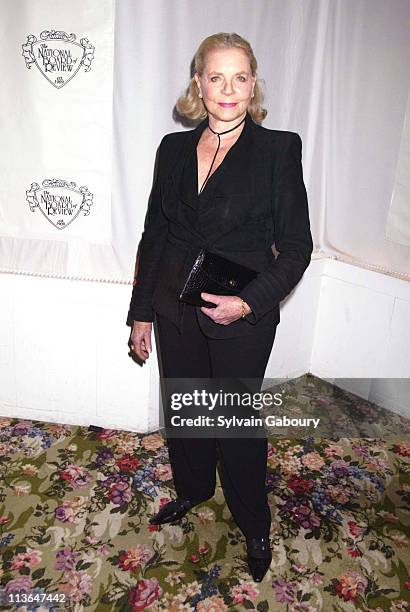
point(254, 199)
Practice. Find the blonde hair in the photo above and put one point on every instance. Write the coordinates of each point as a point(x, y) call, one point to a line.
point(190, 105)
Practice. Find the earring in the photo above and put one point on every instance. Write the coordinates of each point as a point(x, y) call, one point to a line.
point(199, 95)
point(252, 95)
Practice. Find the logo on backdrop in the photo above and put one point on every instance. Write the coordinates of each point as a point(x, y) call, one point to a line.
point(58, 56)
point(59, 201)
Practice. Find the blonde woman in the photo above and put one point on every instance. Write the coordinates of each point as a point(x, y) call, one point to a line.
point(235, 188)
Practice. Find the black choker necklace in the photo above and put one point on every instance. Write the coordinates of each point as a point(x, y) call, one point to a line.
point(219, 134)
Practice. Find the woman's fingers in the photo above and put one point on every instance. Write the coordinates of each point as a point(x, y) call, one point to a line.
point(139, 349)
point(147, 341)
point(229, 309)
point(141, 339)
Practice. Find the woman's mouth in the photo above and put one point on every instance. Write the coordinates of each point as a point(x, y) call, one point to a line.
point(227, 104)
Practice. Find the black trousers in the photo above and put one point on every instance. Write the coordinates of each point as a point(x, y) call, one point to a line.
point(243, 461)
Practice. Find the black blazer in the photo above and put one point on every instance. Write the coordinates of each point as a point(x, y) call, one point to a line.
point(254, 199)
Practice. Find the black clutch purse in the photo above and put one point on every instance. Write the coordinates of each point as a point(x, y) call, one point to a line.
point(214, 274)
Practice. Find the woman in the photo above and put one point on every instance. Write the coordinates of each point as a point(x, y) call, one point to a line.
point(235, 188)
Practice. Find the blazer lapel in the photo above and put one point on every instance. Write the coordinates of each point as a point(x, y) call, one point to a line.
point(183, 174)
point(241, 187)
point(228, 177)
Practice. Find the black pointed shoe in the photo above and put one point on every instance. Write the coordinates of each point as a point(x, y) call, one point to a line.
point(259, 557)
point(172, 511)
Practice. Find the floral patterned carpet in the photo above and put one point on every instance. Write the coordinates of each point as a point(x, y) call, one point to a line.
point(75, 505)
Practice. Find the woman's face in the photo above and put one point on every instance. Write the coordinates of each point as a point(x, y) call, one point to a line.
point(226, 84)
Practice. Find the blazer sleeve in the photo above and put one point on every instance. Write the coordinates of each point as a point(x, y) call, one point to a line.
point(292, 234)
point(149, 251)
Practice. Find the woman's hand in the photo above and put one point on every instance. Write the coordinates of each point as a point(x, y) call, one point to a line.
point(140, 339)
point(228, 309)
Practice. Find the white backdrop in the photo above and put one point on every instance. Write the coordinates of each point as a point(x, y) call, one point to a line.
point(56, 133)
point(335, 71)
point(398, 221)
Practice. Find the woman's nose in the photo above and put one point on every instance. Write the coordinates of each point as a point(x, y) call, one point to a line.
point(227, 88)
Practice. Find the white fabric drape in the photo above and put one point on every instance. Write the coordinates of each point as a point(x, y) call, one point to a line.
point(334, 71)
point(398, 220)
point(366, 86)
point(56, 134)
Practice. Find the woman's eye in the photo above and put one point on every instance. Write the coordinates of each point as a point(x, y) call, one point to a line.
point(215, 78)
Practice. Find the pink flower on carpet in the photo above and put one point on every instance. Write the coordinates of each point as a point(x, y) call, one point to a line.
point(107, 433)
point(354, 529)
point(76, 585)
point(152, 442)
point(76, 475)
point(245, 590)
point(135, 557)
point(350, 585)
point(163, 472)
point(144, 594)
point(313, 461)
point(212, 604)
point(30, 558)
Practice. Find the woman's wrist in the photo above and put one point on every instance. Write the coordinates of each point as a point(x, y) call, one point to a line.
point(246, 309)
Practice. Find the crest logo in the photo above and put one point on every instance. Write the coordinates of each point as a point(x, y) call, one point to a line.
point(59, 201)
point(58, 56)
